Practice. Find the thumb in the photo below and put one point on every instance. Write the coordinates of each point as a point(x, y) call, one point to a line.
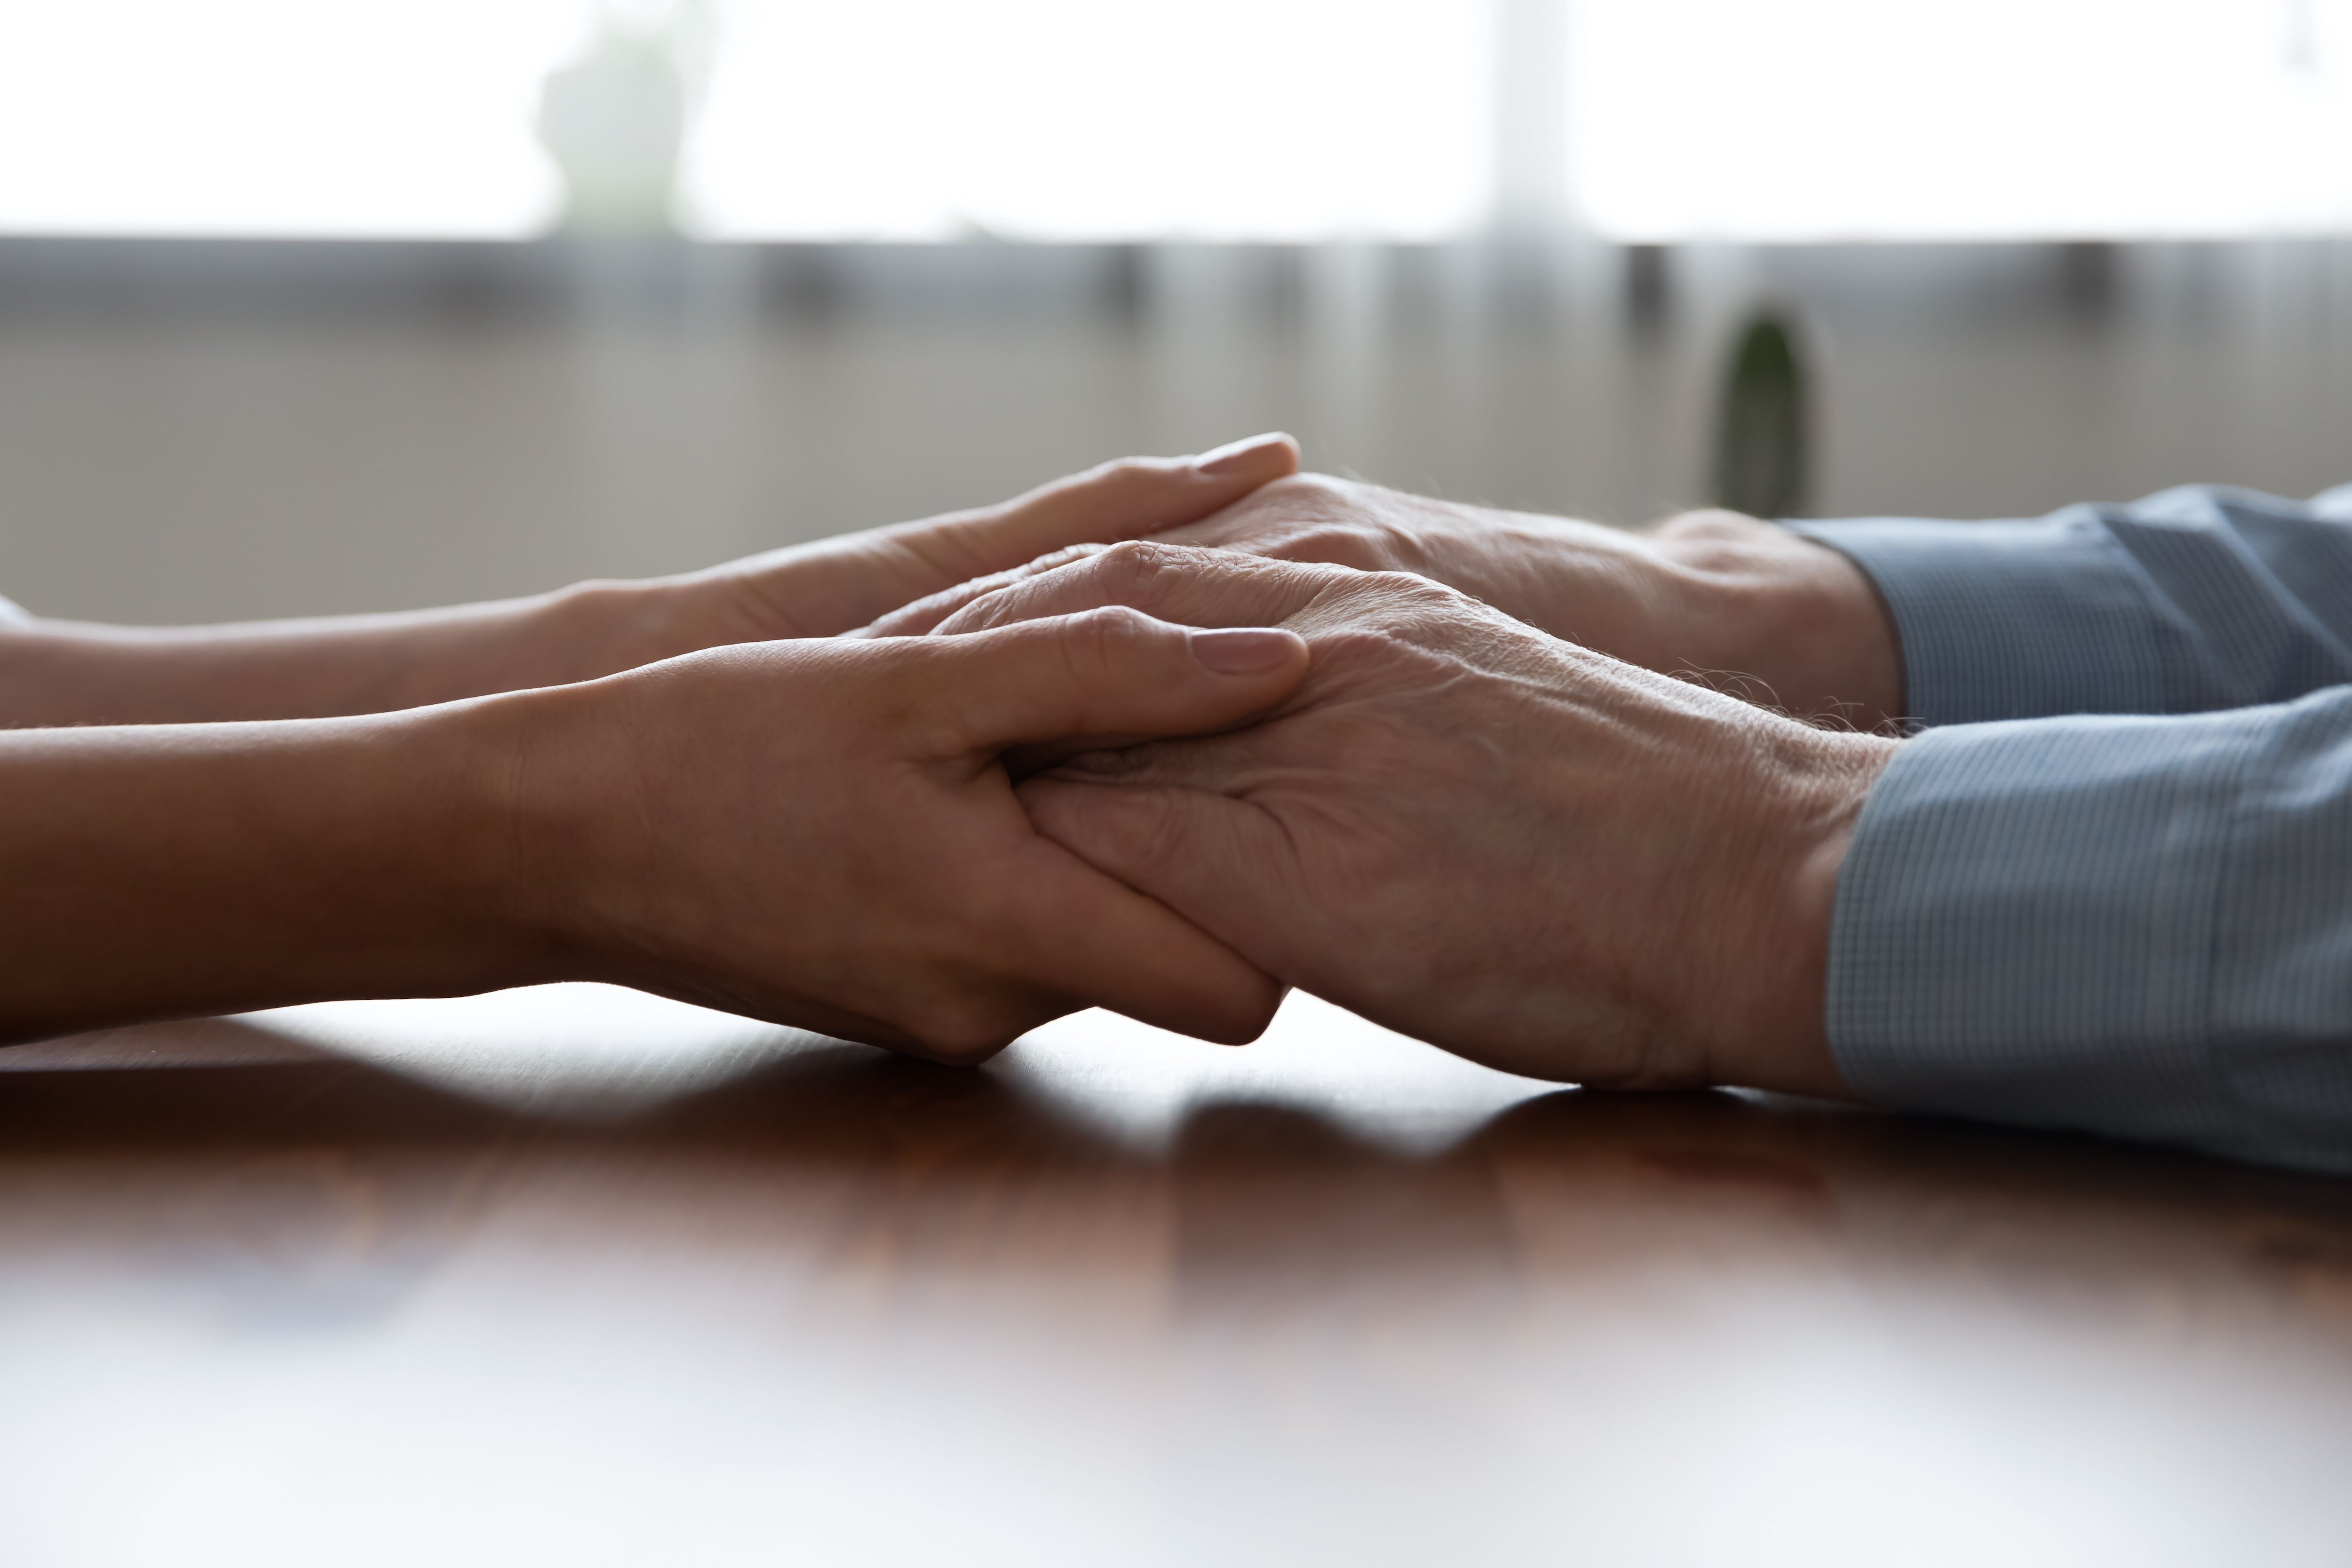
point(1110, 676)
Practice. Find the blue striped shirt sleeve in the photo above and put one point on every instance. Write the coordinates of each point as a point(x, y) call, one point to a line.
point(2192, 600)
point(2111, 887)
point(2134, 926)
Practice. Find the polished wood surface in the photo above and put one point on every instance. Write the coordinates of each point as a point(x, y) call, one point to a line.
point(572, 1276)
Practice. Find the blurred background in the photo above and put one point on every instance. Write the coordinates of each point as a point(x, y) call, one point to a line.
point(329, 305)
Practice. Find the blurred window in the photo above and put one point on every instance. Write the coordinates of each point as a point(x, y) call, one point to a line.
point(1827, 119)
point(831, 119)
point(1082, 119)
point(1803, 120)
point(275, 117)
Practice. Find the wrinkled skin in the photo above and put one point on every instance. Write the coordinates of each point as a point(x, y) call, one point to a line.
point(1523, 851)
point(1743, 604)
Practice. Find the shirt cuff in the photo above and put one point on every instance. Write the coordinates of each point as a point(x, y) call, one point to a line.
point(2010, 620)
point(2026, 928)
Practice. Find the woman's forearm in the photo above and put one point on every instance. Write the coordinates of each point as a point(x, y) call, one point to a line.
point(66, 672)
point(160, 871)
point(814, 831)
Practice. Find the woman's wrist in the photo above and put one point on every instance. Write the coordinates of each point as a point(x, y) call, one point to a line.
point(584, 632)
point(592, 629)
point(565, 759)
point(479, 885)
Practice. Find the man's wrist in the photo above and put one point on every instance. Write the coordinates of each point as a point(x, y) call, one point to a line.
point(1777, 1036)
point(1793, 615)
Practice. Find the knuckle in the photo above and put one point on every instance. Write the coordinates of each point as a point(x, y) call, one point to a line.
point(1012, 596)
point(1133, 570)
point(1410, 593)
point(1054, 559)
point(995, 608)
point(1105, 641)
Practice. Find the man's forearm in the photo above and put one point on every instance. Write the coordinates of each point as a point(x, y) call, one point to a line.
point(162, 871)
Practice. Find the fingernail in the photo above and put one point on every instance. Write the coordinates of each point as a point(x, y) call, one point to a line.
point(1242, 650)
point(1235, 455)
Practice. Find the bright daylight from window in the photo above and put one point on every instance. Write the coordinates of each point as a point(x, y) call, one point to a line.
point(1798, 119)
point(1824, 120)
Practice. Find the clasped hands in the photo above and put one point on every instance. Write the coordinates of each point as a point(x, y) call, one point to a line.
point(1167, 737)
point(1414, 780)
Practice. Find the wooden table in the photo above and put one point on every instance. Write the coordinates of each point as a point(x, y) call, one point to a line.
point(576, 1277)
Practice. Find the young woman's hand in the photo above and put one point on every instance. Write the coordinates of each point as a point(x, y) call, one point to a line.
point(842, 584)
point(54, 672)
point(822, 833)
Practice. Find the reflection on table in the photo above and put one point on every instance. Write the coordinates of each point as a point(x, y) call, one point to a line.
point(571, 1275)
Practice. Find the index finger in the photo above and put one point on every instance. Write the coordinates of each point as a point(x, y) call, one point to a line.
point(1187, 586)
point(1122, 500)
point(924, 614)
